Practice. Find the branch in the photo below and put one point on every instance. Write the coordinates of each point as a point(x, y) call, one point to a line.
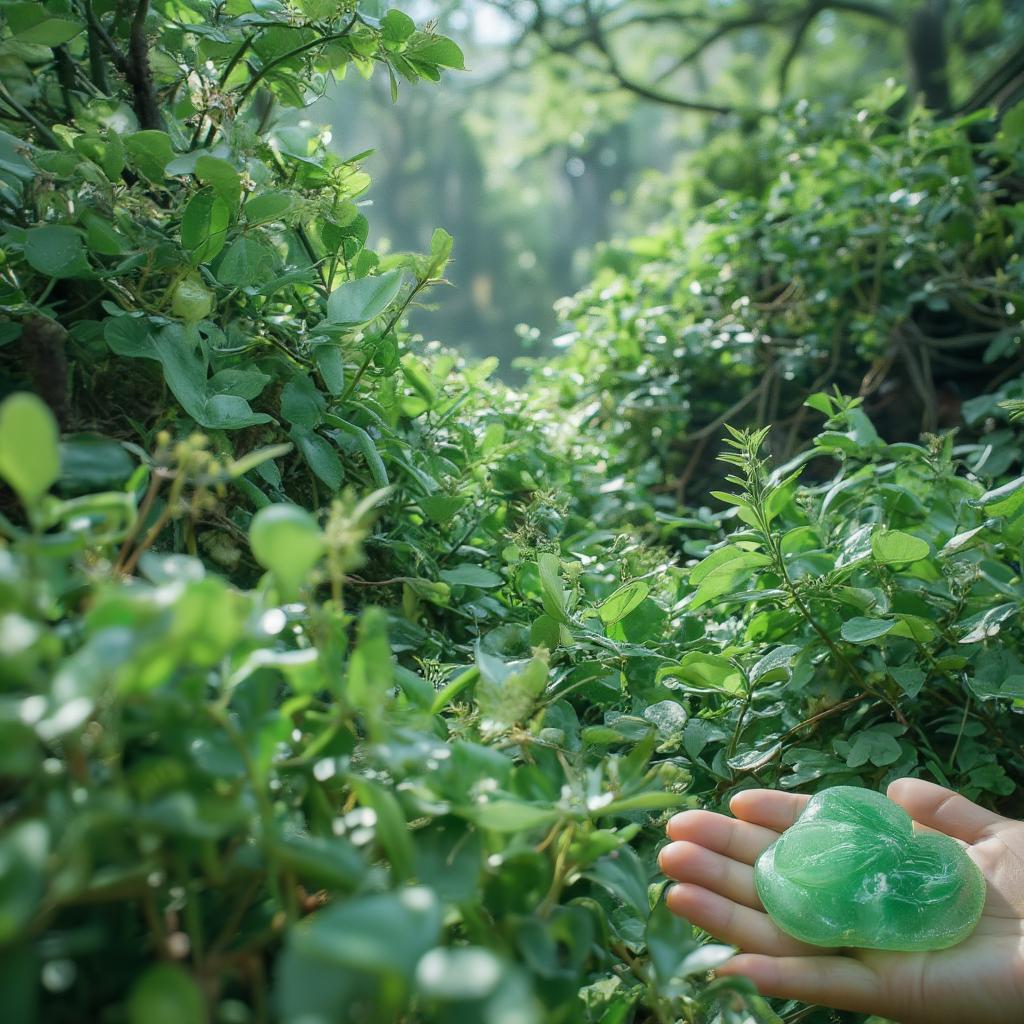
point(869, 10)
point(267, 68)
point(597, 37)
point(139, 73)
point(26, 115)
point(794, 46)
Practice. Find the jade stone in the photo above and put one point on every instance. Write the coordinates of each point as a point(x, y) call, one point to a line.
point(851, 872)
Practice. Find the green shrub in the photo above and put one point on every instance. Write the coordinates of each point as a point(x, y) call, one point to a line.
point(339, 682)
point(878, 254)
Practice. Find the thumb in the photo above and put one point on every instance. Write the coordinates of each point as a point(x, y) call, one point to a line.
point(943, 810)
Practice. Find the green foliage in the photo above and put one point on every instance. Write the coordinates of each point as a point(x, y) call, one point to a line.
point(878, 254)
point(341, 683)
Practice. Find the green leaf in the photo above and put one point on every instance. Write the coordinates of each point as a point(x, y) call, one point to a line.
point(1003, 501)
point(876, 745)
point(321, 456)
point(391, 827)
point(471, 576)
point(552, 592)
point(654, 801)
point(331, 364)
point(247, 263)
point(397, 27)
point(910, 679)
point(722, 571)
point(166, 994)
point(438, 50)
point(33, 24)
point(623, 601)
point(861, 630)
point(998, 673)
point(365, 299)
point(57, 250)
point(383, 934)
point(511, 816)
point(701, 671)
point(268, 206)
point(321, 860)
point(365, 444)
point(222, 178)
point(669, 939)
point(185, 368)
point(29, 446)
point(204, 225)
point(774, 667)
point(893, 547)
point(508, 691)
point(149, 152)
point(23, 851)
point(286, 540)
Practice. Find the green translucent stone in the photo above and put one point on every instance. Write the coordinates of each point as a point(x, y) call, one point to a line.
point(851, 872)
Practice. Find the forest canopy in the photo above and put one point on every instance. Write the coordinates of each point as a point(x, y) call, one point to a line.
point(343, 680)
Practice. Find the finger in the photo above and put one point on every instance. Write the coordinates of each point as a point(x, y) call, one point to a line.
point(736, 839)
point(835, 981)
point(691, 862)
point(942, 809)
point(732, 922)
point(768, 807)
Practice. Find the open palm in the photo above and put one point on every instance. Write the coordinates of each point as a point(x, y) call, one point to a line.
point(980, 981)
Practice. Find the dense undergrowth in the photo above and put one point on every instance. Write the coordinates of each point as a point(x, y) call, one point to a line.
point(342, 683)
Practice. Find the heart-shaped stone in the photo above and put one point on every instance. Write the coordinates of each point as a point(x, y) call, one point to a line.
point(850, 871)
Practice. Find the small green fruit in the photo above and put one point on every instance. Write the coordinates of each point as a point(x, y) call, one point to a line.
point(192, 300)
point(286, 540)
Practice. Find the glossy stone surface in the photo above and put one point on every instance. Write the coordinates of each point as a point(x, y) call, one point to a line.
point(851, 872)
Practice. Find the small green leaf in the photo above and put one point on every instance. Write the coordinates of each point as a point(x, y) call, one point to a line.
point(23, 851)
point(29, 446)
point(247, 263)
point(1003, 501)
point(222, 178)
point(286, 540)
point(861, 630)
point(623, 601)
point(438, 50)
point(149, 152)
point(381, 934)
point(511, 815)
point(701, 671)
point(57, 250)
point(33, 24)
point(396, 27)
point(268, 206)
point(391, 827)
point(166, 994)
point(893, 547)
point(204, 225)
point(552, 592)
point(360, 301)
point(471, 576)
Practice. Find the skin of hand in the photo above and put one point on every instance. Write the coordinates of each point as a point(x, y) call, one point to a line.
point(980, 981)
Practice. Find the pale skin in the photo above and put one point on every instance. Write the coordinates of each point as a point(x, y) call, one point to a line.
point(981, 980)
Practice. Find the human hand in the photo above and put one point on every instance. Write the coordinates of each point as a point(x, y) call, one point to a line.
point(980, 981)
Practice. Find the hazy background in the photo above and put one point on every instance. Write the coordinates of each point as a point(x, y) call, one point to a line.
point(537, 154)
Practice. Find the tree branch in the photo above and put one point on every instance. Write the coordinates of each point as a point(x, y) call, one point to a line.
point(794, 46)
point(600, 42)
point(139, 74)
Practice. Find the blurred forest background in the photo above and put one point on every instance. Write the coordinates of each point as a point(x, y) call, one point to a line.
point(583, 124)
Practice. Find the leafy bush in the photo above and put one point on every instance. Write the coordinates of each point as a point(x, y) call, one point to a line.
point(879, 254)
point(341, 683)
